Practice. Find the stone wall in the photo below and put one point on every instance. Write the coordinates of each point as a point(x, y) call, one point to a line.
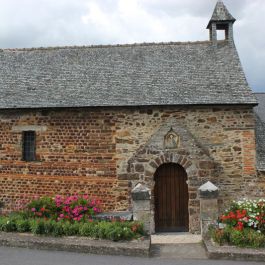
point(105, 152)
point(75, 152)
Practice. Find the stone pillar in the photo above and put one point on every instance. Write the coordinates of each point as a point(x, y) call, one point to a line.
point(229, 35)
point(213, 33)
point(208, 206)
point(141, 203)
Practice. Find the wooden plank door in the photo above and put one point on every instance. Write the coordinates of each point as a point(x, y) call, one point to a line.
point(171, 199)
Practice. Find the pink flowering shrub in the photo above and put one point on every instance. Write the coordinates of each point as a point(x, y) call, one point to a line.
point(72, 208)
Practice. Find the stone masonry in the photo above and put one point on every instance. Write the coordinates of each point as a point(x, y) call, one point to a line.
point(106, 152)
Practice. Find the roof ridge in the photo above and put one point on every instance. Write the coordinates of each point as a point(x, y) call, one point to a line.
point(107, 45)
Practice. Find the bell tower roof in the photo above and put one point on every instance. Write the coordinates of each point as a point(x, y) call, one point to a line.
point(221, 14)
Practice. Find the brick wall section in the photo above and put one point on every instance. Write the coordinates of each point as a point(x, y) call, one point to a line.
point(88, 150)
point(75, 153)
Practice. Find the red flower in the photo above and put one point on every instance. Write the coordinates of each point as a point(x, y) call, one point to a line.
point(240, 226)
point(134, 228)
point(232, 215)
point(241, 214)
point(42, 209)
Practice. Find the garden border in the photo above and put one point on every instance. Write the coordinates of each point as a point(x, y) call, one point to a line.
point(140, 248)
point(232, 252)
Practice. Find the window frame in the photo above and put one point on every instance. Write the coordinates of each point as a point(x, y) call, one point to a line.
point(29, 146)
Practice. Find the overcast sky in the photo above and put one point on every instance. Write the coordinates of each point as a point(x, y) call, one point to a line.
point(35, 23)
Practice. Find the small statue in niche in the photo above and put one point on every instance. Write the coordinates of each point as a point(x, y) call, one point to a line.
point(171, 140)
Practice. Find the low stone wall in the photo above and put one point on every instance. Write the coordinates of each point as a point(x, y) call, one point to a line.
point(233, 253)
point(77, 244)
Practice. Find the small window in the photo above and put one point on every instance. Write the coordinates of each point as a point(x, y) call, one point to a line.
point(29, 146)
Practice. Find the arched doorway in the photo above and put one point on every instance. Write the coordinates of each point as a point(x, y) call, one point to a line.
point(171, 199)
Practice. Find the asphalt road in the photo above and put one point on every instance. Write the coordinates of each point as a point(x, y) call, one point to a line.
point(20, 256)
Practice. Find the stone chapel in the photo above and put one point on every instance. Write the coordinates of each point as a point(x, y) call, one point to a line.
point(103, 119)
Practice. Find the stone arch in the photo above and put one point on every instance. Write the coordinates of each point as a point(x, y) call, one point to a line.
point(193, 157)
point(144, 172)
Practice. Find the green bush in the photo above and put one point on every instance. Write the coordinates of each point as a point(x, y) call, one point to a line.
point(71, 229)
point(103, 228)
point(48, 226)
point(57, 229)
point(258, 240)
point(22, 225)
point(247, 238)
point(37, 226)
point(220, 236)
point(18, 215)
point(242, 238)
point(3, 221)
point(97, 229)
point(89, 230)
point(115, 234)
point(10, 226)
point(127, 233)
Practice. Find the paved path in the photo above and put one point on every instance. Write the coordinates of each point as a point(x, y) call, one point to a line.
point(19, 256)
point(177, 246)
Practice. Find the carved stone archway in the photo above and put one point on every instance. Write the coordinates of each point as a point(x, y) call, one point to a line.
point(196, 161)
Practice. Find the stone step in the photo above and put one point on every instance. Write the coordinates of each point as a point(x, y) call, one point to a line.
point(178, 251)
point(175, 238)
point(177, 246)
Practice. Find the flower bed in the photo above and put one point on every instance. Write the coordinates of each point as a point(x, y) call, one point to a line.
point(72, 208)
point(243, 224)
point(68, 216)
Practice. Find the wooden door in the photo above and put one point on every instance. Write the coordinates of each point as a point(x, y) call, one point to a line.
point(171, 199)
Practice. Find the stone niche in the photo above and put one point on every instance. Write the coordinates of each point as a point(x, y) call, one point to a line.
point(171, 140)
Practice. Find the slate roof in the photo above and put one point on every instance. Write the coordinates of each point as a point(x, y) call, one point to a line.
point(221, 14)
point(123, 75)
point(260, 131)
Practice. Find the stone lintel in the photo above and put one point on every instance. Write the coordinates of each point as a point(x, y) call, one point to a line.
point(36, 128)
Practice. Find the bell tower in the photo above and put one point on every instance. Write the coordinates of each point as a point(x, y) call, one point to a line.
point(221, 20)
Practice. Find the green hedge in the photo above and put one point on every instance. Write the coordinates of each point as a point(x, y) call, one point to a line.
point(248, 237)
point(98, 229)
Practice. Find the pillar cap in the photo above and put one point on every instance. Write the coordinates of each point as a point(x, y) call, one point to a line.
point(208, 186)
point(208, 190)
point(141, 192)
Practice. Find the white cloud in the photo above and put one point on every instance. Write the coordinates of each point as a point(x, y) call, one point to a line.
point(27, 23)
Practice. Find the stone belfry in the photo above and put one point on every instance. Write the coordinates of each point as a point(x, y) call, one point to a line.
point(221, 20)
